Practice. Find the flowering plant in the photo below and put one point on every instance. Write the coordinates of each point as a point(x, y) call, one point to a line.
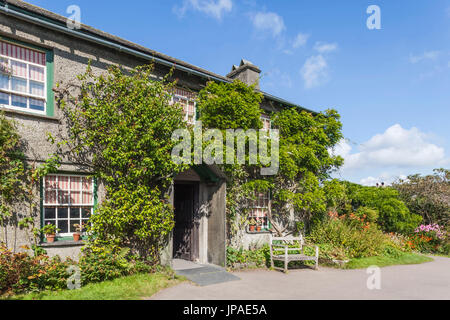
point(430, 238)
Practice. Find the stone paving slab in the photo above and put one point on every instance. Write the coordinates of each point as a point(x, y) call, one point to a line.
point(207, 275)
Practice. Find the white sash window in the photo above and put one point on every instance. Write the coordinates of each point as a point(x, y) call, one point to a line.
point(23, 77)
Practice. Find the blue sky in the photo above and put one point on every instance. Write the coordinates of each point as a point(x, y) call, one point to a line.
point(391, 86)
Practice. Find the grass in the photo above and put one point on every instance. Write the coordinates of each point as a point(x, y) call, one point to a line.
point(383, 261)
point(133, 287)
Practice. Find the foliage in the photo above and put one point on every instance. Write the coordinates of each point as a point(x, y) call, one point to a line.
point(120, 126)
point(230, 106)
point(304, 160)
point(22, 272)
point(12, 169)
point(258, 258)
point(19, 182)
point(430, 238)
point(49, 229)
point(393, 214)
point(428, 196)
point(348, 236)
point(138, 218)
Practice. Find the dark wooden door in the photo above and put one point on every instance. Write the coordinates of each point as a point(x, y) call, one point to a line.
point(185, 234)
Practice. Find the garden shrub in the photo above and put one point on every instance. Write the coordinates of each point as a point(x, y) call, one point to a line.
point(430, 238)
point(348, 236)
point(21, 272)
point(259, 258)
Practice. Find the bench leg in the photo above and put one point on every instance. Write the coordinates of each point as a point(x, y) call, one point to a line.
point(317, 265)
point(285, 265)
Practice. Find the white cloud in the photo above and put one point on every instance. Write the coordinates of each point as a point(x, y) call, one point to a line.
point(396, 147)
point(214, 8)
point(276, 78)
point(385, 178)
point(428, 55)
point(323, 47)
point(268, 22)
point(300, 40)
point(314, 71)
point(393, 154)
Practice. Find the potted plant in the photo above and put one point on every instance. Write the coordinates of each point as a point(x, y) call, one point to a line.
point(252, 225)
point(78, 230)
point(258, 225)
point(50, 232)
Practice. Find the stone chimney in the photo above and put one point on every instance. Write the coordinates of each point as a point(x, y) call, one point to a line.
point(247, 72)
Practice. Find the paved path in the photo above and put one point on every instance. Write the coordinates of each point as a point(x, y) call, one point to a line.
point(424, 281)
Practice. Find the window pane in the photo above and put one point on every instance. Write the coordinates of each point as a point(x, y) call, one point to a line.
point(75, 197)
point(4, 98)
point(4, 81)
point(37, 88)
point(50, 182)
point(18, 101)
point(63, 183)
point(64, 226)
point(63, 213)
point(74, 213)
point(75, 183)
point(19, 69)
point(87, 184)
point(19, 85)
point(37, 104)
point(73, 228)
point(37, 73)
point(86, 213)
point(87, 198)
point(63, 197)
point(50, 213)
point(50, 196)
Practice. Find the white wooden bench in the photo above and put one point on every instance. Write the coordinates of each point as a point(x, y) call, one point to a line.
point(280, 249)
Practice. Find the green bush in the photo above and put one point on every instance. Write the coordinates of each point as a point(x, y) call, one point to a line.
point(348, 237)
point(22, 272)
point(393, 214)
point(259, 258)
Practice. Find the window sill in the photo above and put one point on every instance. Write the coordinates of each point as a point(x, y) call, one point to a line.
point(259, 232)
point(28, 114)
point(62, 243)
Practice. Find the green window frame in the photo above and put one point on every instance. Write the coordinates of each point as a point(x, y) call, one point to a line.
point(49, 81)
point(42, 200)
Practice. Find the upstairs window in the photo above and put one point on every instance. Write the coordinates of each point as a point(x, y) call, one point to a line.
point(267, 123)
point(187, 100)
point(22, 78)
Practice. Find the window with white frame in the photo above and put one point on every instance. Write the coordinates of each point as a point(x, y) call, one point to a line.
point(68, 201)
point(259, 209)
point(22, 78)
point(267, 123)
point(187, 100)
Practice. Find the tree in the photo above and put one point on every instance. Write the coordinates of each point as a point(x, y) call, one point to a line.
point(393, 214)
point(304, 158)
point(427, 196)
point(119, 128)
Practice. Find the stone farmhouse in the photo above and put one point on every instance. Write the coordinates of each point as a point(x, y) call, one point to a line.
point(40, 50)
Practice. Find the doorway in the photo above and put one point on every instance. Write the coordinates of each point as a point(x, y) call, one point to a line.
point(186, 231)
